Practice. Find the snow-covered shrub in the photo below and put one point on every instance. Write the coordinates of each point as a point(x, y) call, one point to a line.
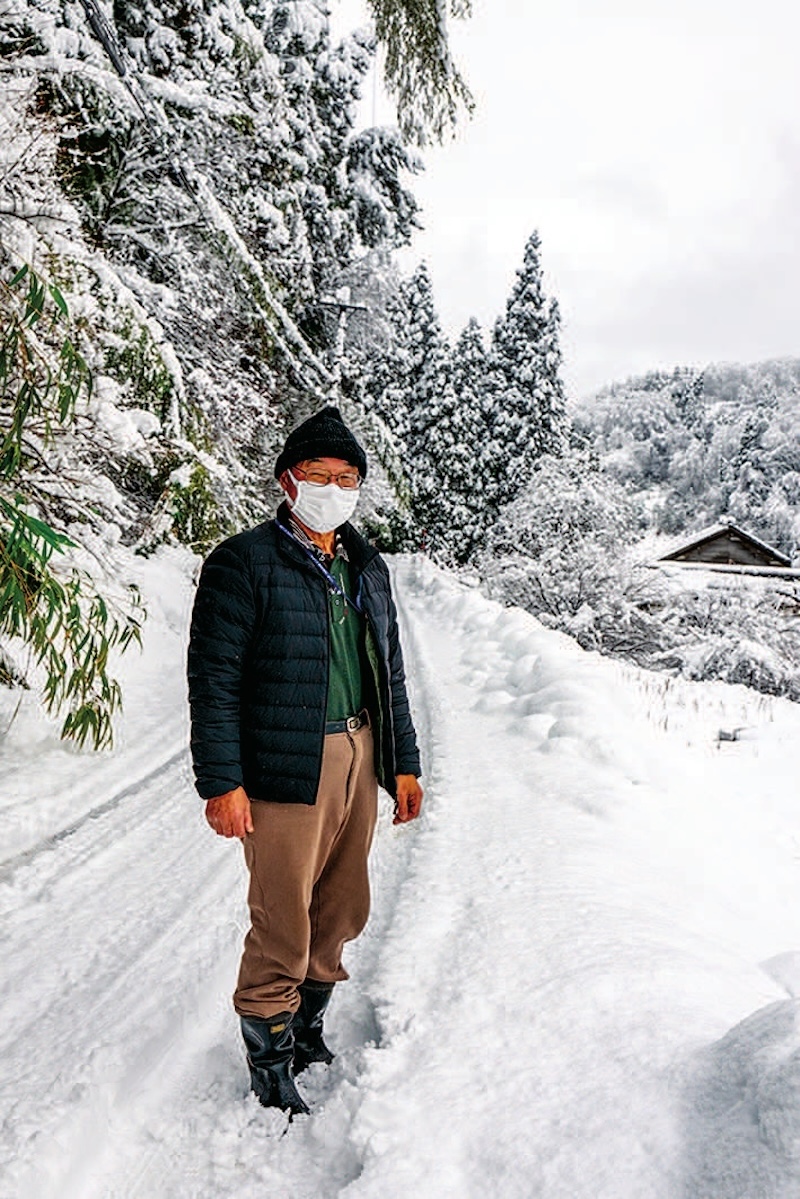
point(730, 627)
point(558, 548)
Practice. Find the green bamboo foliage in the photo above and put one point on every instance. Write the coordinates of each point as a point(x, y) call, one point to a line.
point(46, 604)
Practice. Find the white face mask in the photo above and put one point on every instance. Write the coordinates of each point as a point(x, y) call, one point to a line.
point(322, 509)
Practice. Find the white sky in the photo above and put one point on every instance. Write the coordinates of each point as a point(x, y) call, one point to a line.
point(656, 148)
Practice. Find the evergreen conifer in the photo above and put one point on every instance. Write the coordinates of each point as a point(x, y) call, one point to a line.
point(528, 417)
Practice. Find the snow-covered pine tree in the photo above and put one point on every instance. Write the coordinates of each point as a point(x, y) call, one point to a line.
point(467, 444)
point(428, 360)
point(688, 391)
point(385, 362)
point(402, 379)
point(470, 363)
point(438, 465)
point(410, 387)
point(528, 417)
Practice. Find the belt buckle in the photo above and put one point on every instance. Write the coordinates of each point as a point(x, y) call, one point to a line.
point(353, 724)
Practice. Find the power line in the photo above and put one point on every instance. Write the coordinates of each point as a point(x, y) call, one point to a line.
point(101, 26)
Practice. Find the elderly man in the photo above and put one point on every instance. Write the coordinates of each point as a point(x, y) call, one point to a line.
point(299, 710)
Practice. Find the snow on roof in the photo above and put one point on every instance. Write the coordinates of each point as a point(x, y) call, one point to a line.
point(719, 530)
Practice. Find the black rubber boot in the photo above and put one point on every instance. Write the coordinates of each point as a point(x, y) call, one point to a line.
point(309, 1045)
point(270, 1047)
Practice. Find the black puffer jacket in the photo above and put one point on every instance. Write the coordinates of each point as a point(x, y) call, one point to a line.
point(258, 667)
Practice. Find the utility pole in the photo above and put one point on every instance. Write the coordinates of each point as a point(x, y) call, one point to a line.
point(341, 306)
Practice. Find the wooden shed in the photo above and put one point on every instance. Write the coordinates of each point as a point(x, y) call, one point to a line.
point(727, 545)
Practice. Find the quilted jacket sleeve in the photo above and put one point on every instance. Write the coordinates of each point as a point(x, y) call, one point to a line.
point(223, 622)
point(406, 754)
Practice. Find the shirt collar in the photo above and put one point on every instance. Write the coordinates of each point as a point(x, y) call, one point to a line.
point(299, 533)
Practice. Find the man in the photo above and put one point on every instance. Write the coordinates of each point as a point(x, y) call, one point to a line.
point(299, 709)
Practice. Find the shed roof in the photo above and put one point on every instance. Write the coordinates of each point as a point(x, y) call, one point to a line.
point(726, 534)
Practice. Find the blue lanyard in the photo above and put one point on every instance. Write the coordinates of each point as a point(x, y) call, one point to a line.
point(323, 570)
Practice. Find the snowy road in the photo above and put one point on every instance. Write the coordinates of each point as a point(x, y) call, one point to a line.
point(536, 1009)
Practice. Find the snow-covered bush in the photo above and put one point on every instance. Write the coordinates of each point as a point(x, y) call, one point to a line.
point(729, 627)
point(558, 548)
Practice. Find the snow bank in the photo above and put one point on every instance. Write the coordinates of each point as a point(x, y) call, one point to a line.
point(743, 1109)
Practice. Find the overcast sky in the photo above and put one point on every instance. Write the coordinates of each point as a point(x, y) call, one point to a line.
point(656, 148)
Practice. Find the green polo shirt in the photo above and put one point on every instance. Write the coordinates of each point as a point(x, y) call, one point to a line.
point(348, 652)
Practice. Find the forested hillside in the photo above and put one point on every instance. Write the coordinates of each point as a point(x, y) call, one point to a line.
point(198, 215)
point(649, 460)
point(695, 446)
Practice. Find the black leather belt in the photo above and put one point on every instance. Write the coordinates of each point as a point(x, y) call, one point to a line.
point(351, 725)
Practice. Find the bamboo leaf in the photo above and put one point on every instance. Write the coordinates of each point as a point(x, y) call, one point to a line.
point(69, 627)
point(60, 302)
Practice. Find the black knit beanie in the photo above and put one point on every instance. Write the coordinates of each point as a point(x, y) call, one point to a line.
point(323, 435)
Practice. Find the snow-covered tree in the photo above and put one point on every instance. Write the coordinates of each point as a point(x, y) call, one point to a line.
point(428, 360)
point(558, 544)
point(410, 388)
point(456, 450)
point(528, 417)
point(472, 422)
point(190, 179)
point(218, 196)
point(385, 212)
point(405, 379)
point(471, 448)
point(432, 397)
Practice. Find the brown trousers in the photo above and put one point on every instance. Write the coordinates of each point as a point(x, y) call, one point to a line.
point(309, 887)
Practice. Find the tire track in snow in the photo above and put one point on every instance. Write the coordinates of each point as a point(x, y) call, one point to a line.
point(11, 866)
point(242, 1131)
point(101, 973)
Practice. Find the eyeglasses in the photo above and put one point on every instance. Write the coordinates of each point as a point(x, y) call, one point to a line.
point(348, 480)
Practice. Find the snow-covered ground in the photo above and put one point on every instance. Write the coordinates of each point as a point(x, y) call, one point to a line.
point(579, 980)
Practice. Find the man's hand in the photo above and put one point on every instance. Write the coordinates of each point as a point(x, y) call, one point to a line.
point(409, 798)
point(229, 814)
